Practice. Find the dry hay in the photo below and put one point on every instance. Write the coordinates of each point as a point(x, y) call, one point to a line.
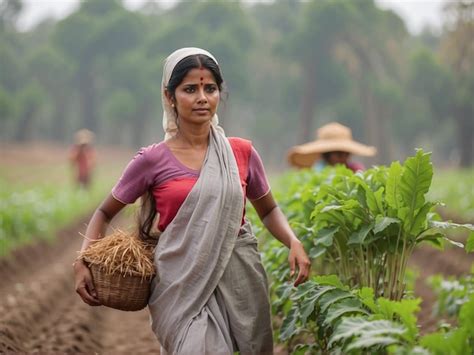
point(123, 253)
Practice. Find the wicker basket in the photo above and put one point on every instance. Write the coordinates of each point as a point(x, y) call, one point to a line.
point(126, 293)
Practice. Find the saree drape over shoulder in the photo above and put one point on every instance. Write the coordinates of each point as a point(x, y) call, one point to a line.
point(210, 295)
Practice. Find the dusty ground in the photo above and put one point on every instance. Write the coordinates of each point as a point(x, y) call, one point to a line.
point(40, 312)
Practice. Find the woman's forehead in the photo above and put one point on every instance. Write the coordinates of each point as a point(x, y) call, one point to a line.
point(198, 75)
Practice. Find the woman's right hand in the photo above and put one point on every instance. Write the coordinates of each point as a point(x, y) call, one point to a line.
point(84, 284)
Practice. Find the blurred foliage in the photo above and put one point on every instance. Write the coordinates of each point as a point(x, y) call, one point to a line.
point(37, 212)
point(455, 188)
point(289, 66)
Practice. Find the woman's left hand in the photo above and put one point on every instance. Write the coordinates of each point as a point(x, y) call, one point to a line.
point(298, 258)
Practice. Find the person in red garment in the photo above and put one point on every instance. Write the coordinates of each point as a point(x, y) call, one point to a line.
point(210, 294)
point(82, 158)
point(333, 145)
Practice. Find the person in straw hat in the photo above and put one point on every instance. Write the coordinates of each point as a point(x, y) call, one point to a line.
point(210, 295)
point(82, 157)
point(333, 145)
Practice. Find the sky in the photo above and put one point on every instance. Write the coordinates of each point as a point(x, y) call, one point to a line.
point(416, 13)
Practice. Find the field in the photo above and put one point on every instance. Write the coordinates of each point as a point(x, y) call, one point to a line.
point(39, 310)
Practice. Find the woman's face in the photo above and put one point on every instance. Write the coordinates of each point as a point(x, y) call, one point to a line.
point(338, 158)
point(197, 97)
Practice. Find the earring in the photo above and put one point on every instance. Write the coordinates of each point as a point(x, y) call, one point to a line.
point(172, 105)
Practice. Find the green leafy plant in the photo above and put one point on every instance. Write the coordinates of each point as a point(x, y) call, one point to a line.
point(340, 320)
point(365, 226)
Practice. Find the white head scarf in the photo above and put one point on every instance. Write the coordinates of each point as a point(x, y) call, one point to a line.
point(169, 115)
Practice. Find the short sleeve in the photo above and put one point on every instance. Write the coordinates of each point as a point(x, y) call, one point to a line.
point(257, 183)
point(135, 179)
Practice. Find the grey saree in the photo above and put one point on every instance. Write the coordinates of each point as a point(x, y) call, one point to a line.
point(210, 295)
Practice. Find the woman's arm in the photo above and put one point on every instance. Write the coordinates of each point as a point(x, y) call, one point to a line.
point(277, 224)
point(95, 230)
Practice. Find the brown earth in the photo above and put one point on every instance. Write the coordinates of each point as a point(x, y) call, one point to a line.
point(428, 261)
point(40, 312)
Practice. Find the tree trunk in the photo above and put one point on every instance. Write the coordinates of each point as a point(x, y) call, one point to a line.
point(88, 99)
point(25, 123)
point(465, 142)
point(384, 140)
point(59, 121)
point(370, 119)
point(139, 126)
point(308, 99)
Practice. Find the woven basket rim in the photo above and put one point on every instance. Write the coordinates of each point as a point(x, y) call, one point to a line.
point(131, 273)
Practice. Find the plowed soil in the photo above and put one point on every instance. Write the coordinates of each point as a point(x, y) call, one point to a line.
point(40, 311)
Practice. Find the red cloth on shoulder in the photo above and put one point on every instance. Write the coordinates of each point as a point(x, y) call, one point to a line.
point(170, 195)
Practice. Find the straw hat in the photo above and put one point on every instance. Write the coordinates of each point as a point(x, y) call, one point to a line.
point(83, 136)
point(331, 137)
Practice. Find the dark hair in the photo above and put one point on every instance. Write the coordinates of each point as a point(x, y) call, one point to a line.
point(194, 61)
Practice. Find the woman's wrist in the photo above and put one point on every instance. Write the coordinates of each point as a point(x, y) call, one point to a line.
point(79, 260)
point(295, 241)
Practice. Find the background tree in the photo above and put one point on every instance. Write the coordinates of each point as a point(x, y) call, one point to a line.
point(457, 52)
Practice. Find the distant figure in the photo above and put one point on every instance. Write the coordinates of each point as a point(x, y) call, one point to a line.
point(82, 157)
point(333, 145)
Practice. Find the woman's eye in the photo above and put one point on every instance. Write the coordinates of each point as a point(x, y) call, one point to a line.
point(189, 89)
point(211, 89)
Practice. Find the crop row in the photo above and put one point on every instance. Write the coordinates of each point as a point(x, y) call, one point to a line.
point(26, 214)
point(361, 228)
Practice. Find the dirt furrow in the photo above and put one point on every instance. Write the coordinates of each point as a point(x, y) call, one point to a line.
point(41, 313)
point(428, 261)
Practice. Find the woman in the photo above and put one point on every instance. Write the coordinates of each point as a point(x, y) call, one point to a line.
point(333, 145)
point(82, 157)
point(210, 294)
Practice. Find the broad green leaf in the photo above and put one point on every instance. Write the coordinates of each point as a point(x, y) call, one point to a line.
point(450, 225)
point(406, 309)
point(316, 252)
point(371, 201)
point(332, 208)
point(420, 221)
point(332, 297)
point(367, 342)
point(415, 181)
point(284, 290)
point(307, 307)
point(392, 193)
point(346, 307)
point(359, 236)
point(366, 295)
point(381, 223)
point(453, 242)
point(325, 236)
point(304, 290)
point(288, 326)
point(379, 200)
point(435, 239)
point(330, 280)
point(362, 328)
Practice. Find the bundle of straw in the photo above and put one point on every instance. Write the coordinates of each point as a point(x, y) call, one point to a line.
point(121, 253)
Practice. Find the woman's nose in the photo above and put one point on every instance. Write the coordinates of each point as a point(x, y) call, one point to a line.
point(202, 96)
